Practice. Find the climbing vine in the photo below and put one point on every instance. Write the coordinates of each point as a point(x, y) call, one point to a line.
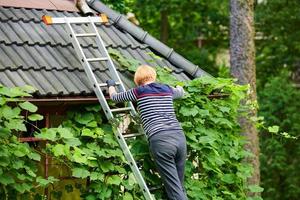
point(18, 161)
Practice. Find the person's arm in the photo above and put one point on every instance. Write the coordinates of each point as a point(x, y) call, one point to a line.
point(129, 95)
point(178, 92)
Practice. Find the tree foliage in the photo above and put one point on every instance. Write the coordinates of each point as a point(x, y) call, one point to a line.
point(280, 103)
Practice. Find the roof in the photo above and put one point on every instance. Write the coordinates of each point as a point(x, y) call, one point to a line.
point(42, 56)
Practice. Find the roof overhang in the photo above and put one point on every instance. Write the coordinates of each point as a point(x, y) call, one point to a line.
point(64, 5)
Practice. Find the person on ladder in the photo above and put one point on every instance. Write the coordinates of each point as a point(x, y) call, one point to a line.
point(165, 135)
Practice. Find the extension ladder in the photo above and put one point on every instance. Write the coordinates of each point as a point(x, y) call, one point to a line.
point(97, 86)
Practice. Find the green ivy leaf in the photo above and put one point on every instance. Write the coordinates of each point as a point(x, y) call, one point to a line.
point(34, 156)
point(22, 187)
point(10, 113)
point(255, 188)
point(35, 117)
point(228, 178)
point(88, 133)
point(127, 196)
point(28, 106)
point(273, 129)
point(114, 180)
point(47, 134)
point(65, 133)
point(106, 166)
point(97, 176)
point(80, 172)
point(6, 179)
point(84, 118)
point(73, 142)
point(45, 182)
point(186, 111)
point(58, 150)
point(15, 124)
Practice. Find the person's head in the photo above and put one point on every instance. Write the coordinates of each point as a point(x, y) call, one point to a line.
point(144, 74)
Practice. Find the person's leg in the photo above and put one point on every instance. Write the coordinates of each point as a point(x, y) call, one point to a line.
point(164, 152)
point(180, 159)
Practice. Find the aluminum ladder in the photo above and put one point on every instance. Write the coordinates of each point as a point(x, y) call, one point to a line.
point(97, 86)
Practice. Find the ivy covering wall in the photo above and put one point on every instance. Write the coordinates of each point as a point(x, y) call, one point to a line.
point(85, 143)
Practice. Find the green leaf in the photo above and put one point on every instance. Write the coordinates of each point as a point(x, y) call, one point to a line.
point(273, 129)
point(127, 196)
point(28, 106)
point(92, 124)
point(79, 158)
point(47, 134)
point(65, 133)
point(97, 176)
point(255, 188)
point(106, 166)
point(10, 113)
point(186, 111)
point(58, 150)
point(80, 173)
point(35, 117)
point(114, 180)
point(15, 124)
point(73, 142)
point(45, 182)
point(13, 92)
point(84, 118)
point(22, 187)
point(6, 179)
point(228, 178)
point(88, 133)
point(34, 156)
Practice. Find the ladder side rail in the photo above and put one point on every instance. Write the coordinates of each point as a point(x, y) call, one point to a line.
point(139, 178)
point(111, 66)
point(88, 70)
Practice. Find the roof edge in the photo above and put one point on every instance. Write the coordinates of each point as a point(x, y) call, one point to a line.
point(141, 35)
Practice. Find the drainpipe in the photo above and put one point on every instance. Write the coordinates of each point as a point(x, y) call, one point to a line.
point(146, 38)
point(84, 8)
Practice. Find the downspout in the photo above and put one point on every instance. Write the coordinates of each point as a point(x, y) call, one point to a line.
point(144, 37)
point(84, 8)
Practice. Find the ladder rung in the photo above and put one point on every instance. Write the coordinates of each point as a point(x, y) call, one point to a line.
point(97, 59)
point(105, 85)
point(121, 109)
point(132, 135)
point(85, 34)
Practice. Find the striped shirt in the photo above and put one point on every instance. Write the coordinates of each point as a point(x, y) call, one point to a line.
point(155, 105)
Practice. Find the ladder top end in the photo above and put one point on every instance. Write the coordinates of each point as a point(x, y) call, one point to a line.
point(104, 18)
point(47, 19)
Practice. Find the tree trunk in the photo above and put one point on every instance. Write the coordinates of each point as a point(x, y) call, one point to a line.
point(164, 26)
point(242, 61)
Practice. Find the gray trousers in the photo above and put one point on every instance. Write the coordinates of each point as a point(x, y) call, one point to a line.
point(168, 149)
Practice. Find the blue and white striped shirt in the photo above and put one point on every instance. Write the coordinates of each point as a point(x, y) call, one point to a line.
point(155, 105)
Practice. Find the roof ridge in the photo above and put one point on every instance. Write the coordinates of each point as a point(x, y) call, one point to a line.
point(142, 36)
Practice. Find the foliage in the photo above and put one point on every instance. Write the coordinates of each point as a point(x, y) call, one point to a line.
point(18, 171)
point(277, 41)
point(189, 21)
point(86, 144)
point(279, 104)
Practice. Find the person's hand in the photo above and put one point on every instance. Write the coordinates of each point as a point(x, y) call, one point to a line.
point(110, 83)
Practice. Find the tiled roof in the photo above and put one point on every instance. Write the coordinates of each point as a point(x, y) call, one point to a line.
point(42, 56)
